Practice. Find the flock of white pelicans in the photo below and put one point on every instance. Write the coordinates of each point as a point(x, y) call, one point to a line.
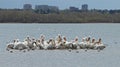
point(58, 43)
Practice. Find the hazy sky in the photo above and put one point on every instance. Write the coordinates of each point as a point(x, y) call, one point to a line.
point(63, 4)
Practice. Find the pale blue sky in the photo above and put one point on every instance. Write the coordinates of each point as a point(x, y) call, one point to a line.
point(63, 4)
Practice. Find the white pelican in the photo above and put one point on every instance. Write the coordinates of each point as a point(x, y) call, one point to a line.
point(88, 43)
point(66, 43)
point(51, 43)
point(83, 43)
point(75, 43)
point(19, 45)
point(58, 41)
point(45, 44)
point(10, 45)
point(99, 45)
point(92, 44)
point(38, 44)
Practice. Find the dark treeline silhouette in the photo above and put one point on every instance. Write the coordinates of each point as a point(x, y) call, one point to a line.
point(61, 16)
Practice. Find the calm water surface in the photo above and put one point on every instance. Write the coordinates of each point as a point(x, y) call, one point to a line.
point(109, 57)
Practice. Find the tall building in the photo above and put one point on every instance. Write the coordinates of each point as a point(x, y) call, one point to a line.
point(44, 9)
point(27, 7)
point(53, 8)
point(73, 9)
point(84, 7)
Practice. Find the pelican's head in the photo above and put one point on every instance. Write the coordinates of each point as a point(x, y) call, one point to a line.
point(100, 40)
point(88, 39)
point(64, 38)
point(28, 37)
point(76, 38)
point(33, 40)
point(14, 41)
point(51, 39)
point(38, 40)
point(17, 40)
point(83, 39)
point(59, 35)
point(42, 36)
point(93, 40)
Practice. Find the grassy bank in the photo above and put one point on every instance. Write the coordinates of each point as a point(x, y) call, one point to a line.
point(61, 17)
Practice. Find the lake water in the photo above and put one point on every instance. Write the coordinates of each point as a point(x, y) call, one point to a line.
point(109, 57)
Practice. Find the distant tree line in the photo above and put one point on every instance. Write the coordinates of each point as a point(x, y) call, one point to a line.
point(62, 16)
